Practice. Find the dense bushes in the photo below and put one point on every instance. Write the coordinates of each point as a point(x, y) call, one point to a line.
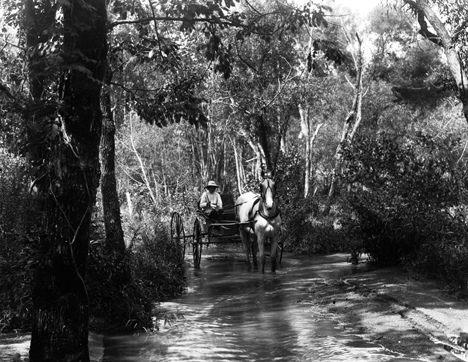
point(15, 281)
point(407, 203)
point(115, 300)
point(305, 229)
point(154, 261)
point(18, 232)
point(157, 266)
point(157, 273)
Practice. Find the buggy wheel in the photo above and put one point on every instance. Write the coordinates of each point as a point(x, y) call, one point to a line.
point(197, 243)
point(177, 231)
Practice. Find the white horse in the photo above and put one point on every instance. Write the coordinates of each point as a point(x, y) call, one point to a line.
point(259, 215)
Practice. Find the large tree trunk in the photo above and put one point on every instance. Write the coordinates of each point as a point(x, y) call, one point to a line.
point(110, 199)
point(70, 177)
point(121, 278)
point(263, 142)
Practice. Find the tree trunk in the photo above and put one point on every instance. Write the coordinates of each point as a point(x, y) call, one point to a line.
point(240, 184)
point(352, 121)
point(121, 277)
point(311, 151)
point(263, 142)
point(70, 176)
point(142, 166)
point(443, 39)
point(110, 199)
point(306, 129)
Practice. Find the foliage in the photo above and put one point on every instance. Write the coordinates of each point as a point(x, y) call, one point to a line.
point(237, 71)
point(304, 228)
point(405, 192)
point(168, 162)
point(289, 179)
point(111, 307)
point(446, 258)
point(19, 223)
point(156, 266)
point(16, 262)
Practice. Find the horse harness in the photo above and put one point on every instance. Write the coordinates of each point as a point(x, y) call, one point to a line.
point(260, 211)
point(269, 219)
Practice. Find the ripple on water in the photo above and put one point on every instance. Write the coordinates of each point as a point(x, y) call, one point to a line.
point(231, 314)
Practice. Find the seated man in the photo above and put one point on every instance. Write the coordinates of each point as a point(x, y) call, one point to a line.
point(210, 201)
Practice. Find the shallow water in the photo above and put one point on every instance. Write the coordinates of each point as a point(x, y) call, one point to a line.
point(231, 314)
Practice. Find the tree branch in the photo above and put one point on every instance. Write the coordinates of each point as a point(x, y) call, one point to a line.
point(245, 61)
point(425, 32)
point(169, 18)
point(460, 29)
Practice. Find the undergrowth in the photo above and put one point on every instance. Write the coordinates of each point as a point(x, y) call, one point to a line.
point(151, 272)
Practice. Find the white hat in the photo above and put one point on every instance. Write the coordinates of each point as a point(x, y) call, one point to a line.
point(211, 184)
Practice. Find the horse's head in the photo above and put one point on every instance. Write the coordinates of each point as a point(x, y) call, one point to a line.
point(268, 192)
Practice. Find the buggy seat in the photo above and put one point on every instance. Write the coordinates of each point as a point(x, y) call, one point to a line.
point(229, 212)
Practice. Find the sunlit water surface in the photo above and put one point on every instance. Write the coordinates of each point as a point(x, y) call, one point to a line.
point(231, 314)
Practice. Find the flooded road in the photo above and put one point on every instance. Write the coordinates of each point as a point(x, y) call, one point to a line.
point(231, 314)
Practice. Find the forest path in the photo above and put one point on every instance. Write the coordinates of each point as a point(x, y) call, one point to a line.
point(232, 314)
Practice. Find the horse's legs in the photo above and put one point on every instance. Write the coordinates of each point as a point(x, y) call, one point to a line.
point(261, 249)
point(245, 237)
point(254, 251)
point(274, 246)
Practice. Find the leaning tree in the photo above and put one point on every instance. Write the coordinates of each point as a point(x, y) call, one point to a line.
point(447, 28)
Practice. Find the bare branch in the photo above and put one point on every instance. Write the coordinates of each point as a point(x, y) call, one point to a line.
point(425, 32)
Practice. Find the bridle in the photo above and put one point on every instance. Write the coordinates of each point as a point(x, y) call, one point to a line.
point(261, 209)
point(261, 200)
point(263, 193)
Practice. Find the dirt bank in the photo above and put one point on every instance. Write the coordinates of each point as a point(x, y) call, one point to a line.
point(397, 311)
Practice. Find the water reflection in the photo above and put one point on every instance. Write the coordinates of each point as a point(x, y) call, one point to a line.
point(230, 314)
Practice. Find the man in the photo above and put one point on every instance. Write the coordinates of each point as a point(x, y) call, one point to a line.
point(210, 201)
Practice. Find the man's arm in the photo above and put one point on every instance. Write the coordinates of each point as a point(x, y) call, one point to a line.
point(219, 202)
point(204, 201)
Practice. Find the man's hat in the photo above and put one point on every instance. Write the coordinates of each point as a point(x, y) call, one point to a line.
point(211, 184)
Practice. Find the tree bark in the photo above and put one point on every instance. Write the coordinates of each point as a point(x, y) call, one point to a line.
point(115, 244)
point(70, 174)
point(110, 199)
